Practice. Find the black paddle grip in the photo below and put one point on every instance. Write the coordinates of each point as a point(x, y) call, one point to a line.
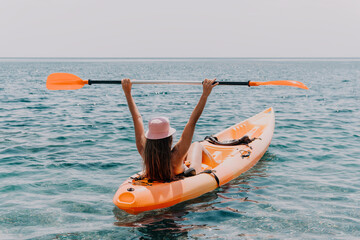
point(235, 83)
point(104, 81)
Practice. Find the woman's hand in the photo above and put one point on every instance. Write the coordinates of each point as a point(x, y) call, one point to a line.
point(126, 85)
point(208, 85)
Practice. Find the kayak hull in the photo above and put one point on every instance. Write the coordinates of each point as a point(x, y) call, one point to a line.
point(226, 163)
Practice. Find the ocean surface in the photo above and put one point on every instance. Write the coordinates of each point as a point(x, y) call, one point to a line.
point(63, 154)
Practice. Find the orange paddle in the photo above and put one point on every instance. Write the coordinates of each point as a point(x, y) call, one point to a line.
point(291, 83)
point(68, 81)
point(64, 81)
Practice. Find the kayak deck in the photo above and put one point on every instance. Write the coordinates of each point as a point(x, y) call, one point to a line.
point(224, 163)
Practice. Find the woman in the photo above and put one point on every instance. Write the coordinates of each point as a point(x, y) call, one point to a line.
point(161, 161)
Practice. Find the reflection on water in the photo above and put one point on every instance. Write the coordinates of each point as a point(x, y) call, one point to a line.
point(172, 222)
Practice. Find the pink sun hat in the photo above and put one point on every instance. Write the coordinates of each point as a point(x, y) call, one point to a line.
point(159, 128)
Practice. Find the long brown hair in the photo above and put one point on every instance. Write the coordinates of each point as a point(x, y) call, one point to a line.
point(157, 162)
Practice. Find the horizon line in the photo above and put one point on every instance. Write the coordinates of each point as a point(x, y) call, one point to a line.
point(180, 57)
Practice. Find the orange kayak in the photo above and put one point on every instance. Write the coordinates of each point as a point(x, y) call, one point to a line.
point(224, 164)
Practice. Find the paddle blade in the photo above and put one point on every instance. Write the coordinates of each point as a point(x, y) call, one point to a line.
point(290, 83)
point(64, 81)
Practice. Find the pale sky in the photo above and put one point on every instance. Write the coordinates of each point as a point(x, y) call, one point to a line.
point(168, 28)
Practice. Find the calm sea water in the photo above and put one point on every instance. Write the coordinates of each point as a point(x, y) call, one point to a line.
point(63, 154)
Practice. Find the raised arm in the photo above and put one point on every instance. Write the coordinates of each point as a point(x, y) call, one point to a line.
point(136, 116)
point(185, 140)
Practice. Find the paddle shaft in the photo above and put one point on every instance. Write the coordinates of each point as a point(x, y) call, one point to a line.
point(169, 82)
